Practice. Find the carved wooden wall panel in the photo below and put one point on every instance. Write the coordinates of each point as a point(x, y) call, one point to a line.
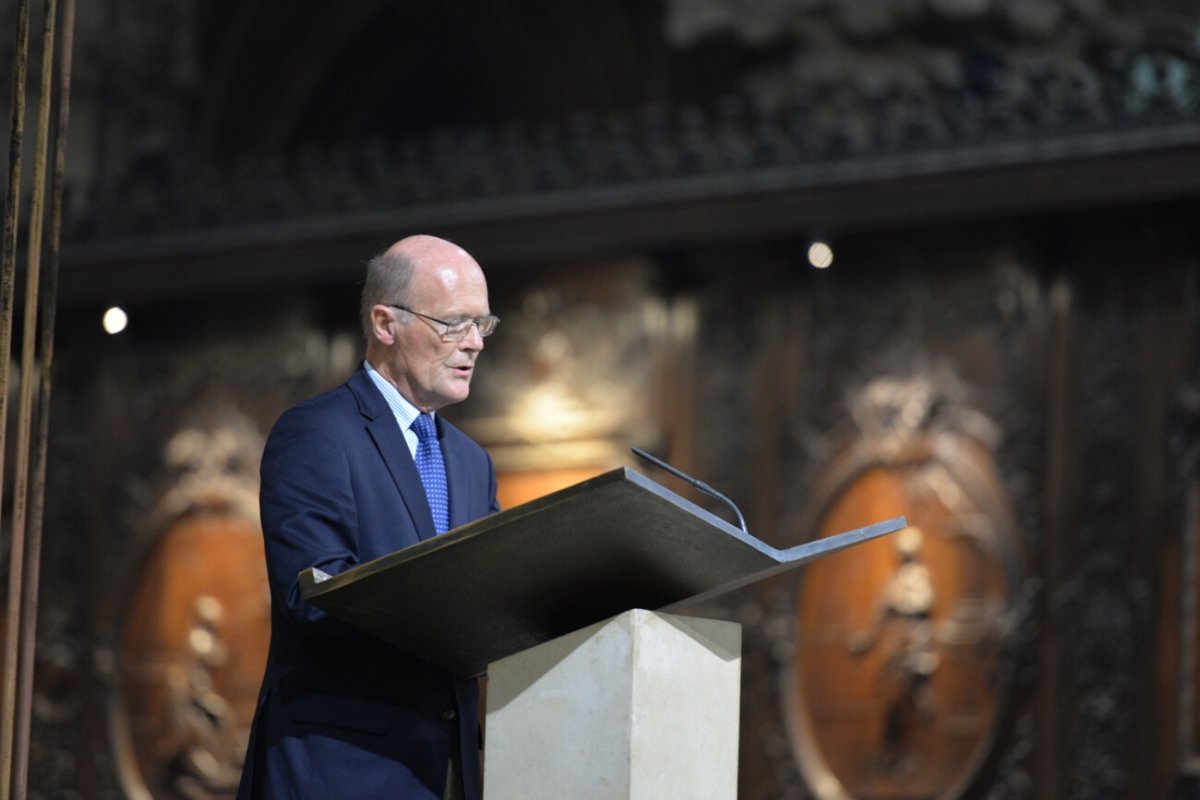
point(879, 390)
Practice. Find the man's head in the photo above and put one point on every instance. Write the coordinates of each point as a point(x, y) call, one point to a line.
point(435, 282)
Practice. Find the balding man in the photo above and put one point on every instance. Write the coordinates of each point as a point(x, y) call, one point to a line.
point(349, 476)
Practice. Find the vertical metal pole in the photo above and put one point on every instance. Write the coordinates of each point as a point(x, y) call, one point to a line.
point(7, 276)
point(33, 273)
point(33, 551)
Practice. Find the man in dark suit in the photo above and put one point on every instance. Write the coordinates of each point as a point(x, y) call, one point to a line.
point(349, 476)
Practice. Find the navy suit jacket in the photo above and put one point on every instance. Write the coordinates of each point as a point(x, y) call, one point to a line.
point(342, 714)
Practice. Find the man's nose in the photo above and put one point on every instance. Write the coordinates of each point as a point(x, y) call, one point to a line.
point(473, 340)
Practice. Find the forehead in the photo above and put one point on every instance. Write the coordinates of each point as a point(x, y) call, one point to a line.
point(452, 285)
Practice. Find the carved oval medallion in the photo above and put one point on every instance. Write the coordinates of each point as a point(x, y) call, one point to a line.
point(897, 686)
point(191, 659)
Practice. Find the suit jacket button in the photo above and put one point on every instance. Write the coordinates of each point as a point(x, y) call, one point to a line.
point(449, 714)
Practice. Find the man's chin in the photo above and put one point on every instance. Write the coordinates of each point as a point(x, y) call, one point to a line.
point(456, 393)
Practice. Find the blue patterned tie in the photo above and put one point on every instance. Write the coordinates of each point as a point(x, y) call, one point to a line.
point(433, 471)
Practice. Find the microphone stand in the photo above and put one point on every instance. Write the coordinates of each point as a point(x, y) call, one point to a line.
point(701, 485)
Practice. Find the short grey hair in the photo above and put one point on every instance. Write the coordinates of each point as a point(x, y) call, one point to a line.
point(389, 280)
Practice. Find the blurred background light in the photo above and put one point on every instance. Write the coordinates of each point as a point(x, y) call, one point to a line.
point(820, 254)
point(115, 320)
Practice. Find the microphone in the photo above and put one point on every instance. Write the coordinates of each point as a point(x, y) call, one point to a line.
point(701, 485)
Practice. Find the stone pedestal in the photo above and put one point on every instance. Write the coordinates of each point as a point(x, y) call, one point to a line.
point(643, 706)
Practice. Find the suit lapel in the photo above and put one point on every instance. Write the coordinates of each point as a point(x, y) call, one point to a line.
point(393, 449)
point(456, 477)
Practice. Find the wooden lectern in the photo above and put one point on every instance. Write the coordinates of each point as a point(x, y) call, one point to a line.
point(565, 601)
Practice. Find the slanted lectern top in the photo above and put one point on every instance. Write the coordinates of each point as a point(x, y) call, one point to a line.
point(507, 582)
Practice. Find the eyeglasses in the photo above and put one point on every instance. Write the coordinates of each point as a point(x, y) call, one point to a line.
point(456, 330)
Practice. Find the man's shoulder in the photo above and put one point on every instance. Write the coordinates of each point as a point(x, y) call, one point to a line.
point(335, 399)
point(331, 408)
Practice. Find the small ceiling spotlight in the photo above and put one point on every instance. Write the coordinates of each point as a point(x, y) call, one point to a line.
point(115, 320)
point(820, 254)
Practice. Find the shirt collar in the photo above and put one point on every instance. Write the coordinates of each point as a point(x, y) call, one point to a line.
point(404, 411)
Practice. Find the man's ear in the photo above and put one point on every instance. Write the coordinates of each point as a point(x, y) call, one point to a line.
point(383, 323)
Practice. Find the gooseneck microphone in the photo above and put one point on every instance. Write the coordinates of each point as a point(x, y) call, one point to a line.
point(701, 485)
